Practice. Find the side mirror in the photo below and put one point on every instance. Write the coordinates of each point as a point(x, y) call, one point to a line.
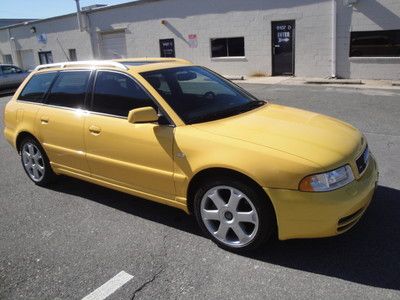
point(142, 115)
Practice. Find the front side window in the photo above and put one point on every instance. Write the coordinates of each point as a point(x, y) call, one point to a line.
point(37, 87)
point(199, 95)
point(117, 94)
point(227, 47)
point(381, 43)
point(69, 89)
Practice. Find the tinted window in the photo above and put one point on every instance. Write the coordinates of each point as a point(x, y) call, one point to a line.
point(117, 94)
point(227, 47)
point(37, 87)
point(69, 90)
point(10, 70)
point(198, 95)
point(384, 43)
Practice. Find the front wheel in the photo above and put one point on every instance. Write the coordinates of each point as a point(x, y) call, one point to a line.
point(35, 162)
point(235, 215)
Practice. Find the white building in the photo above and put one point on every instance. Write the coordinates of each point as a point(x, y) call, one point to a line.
point(313, 38)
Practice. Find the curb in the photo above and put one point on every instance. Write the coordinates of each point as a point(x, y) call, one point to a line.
point(334, 81)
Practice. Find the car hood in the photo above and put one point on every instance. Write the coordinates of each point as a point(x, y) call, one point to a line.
point(323, 140)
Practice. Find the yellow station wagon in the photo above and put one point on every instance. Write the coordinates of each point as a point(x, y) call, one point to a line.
point(179, 134)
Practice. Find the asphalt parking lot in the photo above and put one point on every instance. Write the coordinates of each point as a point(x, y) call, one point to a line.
point(66, 241)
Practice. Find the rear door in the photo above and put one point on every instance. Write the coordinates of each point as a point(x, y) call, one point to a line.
point(61, 121)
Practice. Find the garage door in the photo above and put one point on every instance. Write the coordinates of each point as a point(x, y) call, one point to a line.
point(27, 59)
point(113, 45)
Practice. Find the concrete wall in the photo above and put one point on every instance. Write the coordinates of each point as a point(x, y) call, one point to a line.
point(141, 22)
point(213, 19)
point(62, 34)
point(367, 15)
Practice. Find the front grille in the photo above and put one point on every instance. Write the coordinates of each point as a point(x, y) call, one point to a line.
point(362, 161)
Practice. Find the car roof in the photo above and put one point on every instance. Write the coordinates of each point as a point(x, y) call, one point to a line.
point(127, 64)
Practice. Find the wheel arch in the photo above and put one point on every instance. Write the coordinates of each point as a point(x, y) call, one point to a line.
point(21, 136)
point(208, 173)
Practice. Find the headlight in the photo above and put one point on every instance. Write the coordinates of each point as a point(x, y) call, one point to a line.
point(328, 181)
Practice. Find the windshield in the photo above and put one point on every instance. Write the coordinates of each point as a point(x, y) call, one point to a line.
point(199, 95)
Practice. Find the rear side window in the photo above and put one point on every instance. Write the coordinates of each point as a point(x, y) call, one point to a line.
point(69, 89)
point(37, 87)
point(117, 94)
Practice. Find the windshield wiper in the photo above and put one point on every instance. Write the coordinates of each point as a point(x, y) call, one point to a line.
point(228, 112)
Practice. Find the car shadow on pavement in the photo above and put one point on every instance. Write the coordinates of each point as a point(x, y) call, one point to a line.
point(368, 254)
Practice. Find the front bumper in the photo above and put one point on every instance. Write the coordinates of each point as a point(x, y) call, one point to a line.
point(311, 215)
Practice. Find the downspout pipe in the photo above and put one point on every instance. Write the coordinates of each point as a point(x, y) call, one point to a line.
point(78, 15)
point(334, 39)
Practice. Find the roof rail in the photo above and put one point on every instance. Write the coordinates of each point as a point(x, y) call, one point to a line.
point(87, 63)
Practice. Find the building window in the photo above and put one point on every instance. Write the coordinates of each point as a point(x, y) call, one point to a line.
point(382, 43)
point(7, 59)
point(227, 47)
point(72, 55)
point(45, 57)
point(167, 48)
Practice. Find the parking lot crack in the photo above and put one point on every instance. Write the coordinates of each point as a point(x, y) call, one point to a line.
point(146, 283)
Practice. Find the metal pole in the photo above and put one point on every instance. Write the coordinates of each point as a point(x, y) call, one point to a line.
point(334, 37)
point(78, 14)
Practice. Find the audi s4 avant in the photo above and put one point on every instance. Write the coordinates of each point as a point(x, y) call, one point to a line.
point(181, 135)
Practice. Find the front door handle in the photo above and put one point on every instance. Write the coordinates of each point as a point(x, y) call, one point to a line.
point(44, 120)
point(94, 129)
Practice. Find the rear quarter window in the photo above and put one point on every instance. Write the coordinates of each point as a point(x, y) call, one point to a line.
point(37, 87)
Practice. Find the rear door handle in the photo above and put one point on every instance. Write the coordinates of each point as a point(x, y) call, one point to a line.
point(94, 129)
point(44, 120)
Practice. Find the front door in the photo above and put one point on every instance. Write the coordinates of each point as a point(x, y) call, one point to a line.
point(283, 47)
point(136, 156)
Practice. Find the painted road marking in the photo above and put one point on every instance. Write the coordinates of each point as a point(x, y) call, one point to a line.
point(109, 287)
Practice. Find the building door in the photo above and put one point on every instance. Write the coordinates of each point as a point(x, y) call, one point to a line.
point(113, 45)
point(167, 48)
point(45, 57)
point(283, 47)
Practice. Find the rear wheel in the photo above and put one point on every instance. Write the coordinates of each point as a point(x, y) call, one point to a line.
point(235, 215)
point(35, 162)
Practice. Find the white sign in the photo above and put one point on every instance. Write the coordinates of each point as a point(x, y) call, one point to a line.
point(193, 43)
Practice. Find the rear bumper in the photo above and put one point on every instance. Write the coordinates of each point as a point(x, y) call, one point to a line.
point(312, 215)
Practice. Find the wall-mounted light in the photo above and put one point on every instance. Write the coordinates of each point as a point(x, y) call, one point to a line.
point(164, 22)
point(33, 29)
point(350, 3)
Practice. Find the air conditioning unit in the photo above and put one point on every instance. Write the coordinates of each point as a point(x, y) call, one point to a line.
point(350, 3)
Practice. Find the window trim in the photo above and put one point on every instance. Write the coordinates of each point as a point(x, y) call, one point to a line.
point(91, 97)
point(227, 48)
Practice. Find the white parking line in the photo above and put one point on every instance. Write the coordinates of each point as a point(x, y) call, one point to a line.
point(109, 287)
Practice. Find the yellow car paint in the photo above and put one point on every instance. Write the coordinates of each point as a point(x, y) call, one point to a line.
point(275, 146)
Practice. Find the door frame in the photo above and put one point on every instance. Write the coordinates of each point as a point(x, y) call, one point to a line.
point(293, 21)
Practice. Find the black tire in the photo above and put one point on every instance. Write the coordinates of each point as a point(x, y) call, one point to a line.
point(47, 174)
point(260, 201)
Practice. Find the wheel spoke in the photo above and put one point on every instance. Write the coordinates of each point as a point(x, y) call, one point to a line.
point(217, 200)
point(242, 236)
point(35, 172)
point(222, 231)
point(31, 150)
point(247, 217)
point(211, 214)
point(234, 200)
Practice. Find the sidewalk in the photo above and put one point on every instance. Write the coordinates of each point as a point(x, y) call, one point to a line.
point(356, 83)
